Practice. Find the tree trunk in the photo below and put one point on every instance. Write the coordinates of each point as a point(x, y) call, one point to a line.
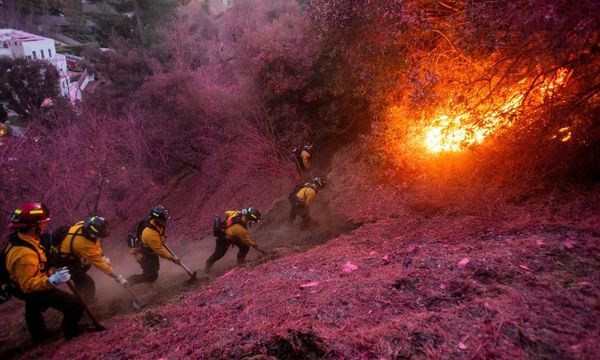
point(138, 19)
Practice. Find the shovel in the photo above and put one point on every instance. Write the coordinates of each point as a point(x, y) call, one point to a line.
point(137, 303)
point(255, 247)
point(97, 325)
point(187, 270)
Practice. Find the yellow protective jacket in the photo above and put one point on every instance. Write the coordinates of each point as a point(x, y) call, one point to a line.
point(26, 268)
point(154, 240)
point(238, 231)
point(79, 247)
point(307, 194)
point(305, 156)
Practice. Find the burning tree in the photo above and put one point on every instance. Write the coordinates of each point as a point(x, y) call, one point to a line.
point(518, 81)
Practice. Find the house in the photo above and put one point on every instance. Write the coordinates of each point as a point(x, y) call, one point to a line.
point(60, 24)
point(20, 44)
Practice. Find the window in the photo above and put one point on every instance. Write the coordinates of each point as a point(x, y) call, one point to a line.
point(5, 44)
point(28, 57)
point(42, 52)
point(49, 53)
point(34, 55)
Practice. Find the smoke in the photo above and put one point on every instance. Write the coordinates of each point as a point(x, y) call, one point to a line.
point(112, 299)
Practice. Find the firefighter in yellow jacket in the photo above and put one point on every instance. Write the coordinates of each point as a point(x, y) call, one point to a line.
point(31, 281)
point(302, 156)
point(302, 198)
point(81, 249)
point(234, 232)
point(152, 241)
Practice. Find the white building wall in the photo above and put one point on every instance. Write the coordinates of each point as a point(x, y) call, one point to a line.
point(39, 49)
point(5, 49)
point(64, 88)
point(16, 47)
point(60, 62)
point(19, 44)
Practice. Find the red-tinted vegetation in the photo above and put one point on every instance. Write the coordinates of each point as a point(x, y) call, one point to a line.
point(460, 139)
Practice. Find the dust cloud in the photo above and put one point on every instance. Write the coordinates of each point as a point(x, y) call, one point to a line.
point(273, 235)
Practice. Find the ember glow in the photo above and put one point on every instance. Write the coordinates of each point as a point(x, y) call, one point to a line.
point(453, 133)
point(564, 134)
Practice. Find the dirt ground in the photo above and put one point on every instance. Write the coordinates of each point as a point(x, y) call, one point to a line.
point(387, 275)
point(275, 235)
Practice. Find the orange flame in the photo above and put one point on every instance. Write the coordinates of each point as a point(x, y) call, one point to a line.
point(458, 132)
point(565, 133)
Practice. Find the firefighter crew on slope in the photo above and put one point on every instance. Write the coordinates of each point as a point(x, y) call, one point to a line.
point(151, 246)
point(302, 198)
point(81, 248)
point(234, 232)
point(32, 282)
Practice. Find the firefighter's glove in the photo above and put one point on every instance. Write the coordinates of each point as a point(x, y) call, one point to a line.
point(122, 281)
point(106, 260)
point(177, 260)
point(60, 277)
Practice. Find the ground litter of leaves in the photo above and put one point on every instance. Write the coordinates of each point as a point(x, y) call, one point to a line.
point(400, 283)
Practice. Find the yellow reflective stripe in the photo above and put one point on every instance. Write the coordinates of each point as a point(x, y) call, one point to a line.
point(35, 212)
point(93, 228)
point(17, 211)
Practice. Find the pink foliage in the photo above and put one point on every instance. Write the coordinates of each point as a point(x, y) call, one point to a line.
point(349, 267)
point(78, 168)
point(463, 262)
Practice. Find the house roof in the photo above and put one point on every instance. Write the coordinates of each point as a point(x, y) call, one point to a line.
point(12, 34)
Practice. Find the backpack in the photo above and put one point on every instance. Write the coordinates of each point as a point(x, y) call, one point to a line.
point(295, 200)
point(8, 288)
point(134, 240)
point(236, 219)
point(218, 226)
point(52, 244)
point(297, 156)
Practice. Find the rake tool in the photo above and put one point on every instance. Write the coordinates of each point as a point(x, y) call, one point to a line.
point(187, 270)
point(255, 247)
point(97, 325)
point(137, 302)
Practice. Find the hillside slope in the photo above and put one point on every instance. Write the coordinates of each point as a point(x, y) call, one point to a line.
point(401, 277)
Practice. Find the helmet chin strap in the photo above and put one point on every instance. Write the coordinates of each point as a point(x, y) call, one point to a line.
point(32, 229)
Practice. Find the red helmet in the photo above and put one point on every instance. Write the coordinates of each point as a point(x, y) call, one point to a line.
point(28, 214)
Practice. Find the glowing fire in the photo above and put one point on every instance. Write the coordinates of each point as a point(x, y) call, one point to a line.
point(456, 132)
point(561, 77)
point(453, 134)
point(564, 133)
